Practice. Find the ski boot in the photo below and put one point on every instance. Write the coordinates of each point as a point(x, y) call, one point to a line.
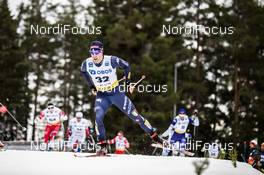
point(156, 138)
point(102, 150)
point(2, 146)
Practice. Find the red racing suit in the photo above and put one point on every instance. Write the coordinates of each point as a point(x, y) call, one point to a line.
point(54, 118)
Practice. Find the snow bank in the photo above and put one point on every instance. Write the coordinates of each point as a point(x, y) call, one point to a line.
point(54, 163)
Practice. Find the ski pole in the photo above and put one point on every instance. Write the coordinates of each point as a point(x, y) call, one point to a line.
point(243, 158)
point(154, 151)
point(127, 151)
point(109, 148)
point(195, 112)
point(142, 78)
point(245, 149)
point(121, 79)
point(23, 128)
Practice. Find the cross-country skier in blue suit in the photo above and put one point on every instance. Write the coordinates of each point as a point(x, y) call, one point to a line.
point(100, 72)
point(177, 131)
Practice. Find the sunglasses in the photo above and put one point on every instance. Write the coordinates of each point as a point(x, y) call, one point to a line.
point(95, 51)
point(51, 107)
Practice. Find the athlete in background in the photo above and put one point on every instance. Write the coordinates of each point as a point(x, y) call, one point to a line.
point(54, 117)
point(121, 143)
point(78, 131)
point(177, 131)
point(254, 154)
point(261, 161)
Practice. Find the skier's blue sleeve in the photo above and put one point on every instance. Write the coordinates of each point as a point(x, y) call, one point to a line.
point(190, 120)
point(120, 63)
point(86, 76)
point(174, 121)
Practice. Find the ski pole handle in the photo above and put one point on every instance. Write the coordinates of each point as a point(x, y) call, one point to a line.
point(195, 112)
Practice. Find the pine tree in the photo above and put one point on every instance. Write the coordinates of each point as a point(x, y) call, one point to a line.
point(73, 91)
point(244, 53)
point(14, 67)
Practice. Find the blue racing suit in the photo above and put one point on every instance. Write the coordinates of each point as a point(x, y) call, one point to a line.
point(102, 78)
point(177, 132)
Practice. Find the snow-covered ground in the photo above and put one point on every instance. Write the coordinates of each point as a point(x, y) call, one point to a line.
point(54, 163)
